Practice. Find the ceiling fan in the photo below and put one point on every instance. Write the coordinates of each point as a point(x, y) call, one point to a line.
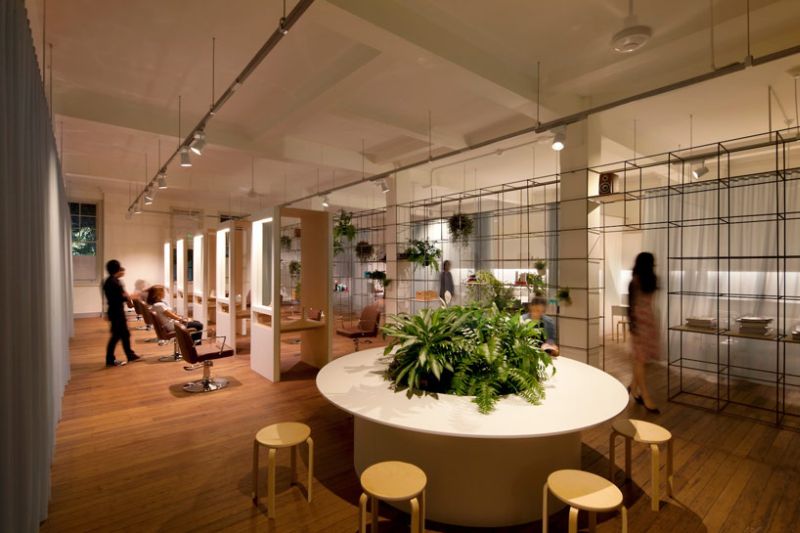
point(251, 192)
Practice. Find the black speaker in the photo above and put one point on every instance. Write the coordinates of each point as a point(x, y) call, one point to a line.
point(607, 183)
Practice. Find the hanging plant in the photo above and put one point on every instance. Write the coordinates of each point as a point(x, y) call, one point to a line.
point(294, 269)
point(536, 284)
point(344, 228)
point(563, 296)
point(423, 253)
point(286, 242)
point(364, 250)
point(338, 247)
point(540, 265)
point(461, 226)
point(380, 277)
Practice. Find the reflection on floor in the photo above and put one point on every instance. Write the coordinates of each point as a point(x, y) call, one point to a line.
point(134, 452)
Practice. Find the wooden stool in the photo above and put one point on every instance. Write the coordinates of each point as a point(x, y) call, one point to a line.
point(392, 481)
point(647, 433)
point(282, 435)
point(583, 491)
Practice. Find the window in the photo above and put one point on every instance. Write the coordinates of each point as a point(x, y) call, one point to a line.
point(84, 241)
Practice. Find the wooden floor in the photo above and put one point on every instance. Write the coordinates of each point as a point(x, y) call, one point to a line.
point(135, 453)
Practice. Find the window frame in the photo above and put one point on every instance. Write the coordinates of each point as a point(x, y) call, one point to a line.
point(98, 240)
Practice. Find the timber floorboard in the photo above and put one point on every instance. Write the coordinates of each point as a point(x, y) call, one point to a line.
point(136, 453)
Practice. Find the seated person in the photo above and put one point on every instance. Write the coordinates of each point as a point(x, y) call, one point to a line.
point(140, 290)
point(536, 309)
point(167, 317)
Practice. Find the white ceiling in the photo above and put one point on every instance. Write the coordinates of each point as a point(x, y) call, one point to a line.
point(363, 71)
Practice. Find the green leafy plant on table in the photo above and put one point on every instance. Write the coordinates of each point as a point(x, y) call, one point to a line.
point(423, 253)
point(467, 351)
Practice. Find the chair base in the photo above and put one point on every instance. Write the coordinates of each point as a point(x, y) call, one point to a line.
point(204, 385)
point(170, 358)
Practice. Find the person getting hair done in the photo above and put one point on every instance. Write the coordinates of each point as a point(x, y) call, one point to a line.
point(167, 317)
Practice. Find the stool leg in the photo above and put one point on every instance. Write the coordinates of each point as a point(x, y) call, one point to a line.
point(624, 519)
point(415, 516)
point(310, 444)
point(654, 481)
point(293, 451)
point(670, 466)
point(592, 522)
point(627, 459)
point(422, 511)
point(271, 483)
point(374, 507)
point(545, 516)
point(255, 472)
point(612, 452)
point(362, 513)
point(573, 520)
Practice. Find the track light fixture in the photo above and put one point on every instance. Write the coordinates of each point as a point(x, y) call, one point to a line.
point(148, 196)
point(384, 186)
point(282, 26)
point(162, 180)
point(137, 210)
point(198, 143)
point(559, 139)
point(325, 202)
point(700, 171)
point(186, 160)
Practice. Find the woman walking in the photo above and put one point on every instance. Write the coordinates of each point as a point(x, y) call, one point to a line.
point(644, 328)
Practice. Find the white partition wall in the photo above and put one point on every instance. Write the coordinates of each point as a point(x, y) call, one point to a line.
point(316, 336)
point(225, 319)
point(266, 304)
point(204, 253)
point(181, 305)
point(168, 271)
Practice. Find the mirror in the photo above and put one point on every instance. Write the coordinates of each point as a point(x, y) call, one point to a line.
point(227, 263)
point(266, 263)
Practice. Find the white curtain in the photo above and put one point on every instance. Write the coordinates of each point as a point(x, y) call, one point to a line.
point(35, 322)
point(739, 258)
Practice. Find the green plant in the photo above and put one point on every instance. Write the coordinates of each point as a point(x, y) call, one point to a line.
point(294, 269)
point(563, 295)
point(467, 351)
point(540, 265)
point(286, 242)
point(364, 250)
point(380, 277)
point(423, 253)
point(536, 284)
point(460, 226)
point(487, 290)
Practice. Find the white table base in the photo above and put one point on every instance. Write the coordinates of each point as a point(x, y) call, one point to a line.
point(475, 482)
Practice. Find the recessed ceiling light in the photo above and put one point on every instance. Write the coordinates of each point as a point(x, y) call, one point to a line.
point(631, 39)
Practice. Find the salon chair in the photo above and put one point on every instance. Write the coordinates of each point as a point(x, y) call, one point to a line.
point(366, 327)
point(201, 356)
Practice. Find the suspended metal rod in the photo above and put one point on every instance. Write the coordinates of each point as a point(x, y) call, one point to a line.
point(289, 20)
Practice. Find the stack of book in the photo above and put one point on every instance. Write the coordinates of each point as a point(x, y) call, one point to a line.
point(754, 325)
point(701, 322)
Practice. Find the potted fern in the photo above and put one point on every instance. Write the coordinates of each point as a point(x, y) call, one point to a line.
point(343, 229)
point(461, 227)
point(294, 269)
point(467, 351)
point(540, 265)
point(423, 253)
point(364, 250)
point(286, 242)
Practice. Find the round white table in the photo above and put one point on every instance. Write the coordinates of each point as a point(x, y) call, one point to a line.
point(483, 470)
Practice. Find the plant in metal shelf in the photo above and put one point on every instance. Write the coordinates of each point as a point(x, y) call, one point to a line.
point(467, 351)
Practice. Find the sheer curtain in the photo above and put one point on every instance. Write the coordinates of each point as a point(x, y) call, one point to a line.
point(35, 274)
point(737, 258)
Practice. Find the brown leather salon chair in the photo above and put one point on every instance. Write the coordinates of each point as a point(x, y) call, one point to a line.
point(201, 355)
point(366, 327)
